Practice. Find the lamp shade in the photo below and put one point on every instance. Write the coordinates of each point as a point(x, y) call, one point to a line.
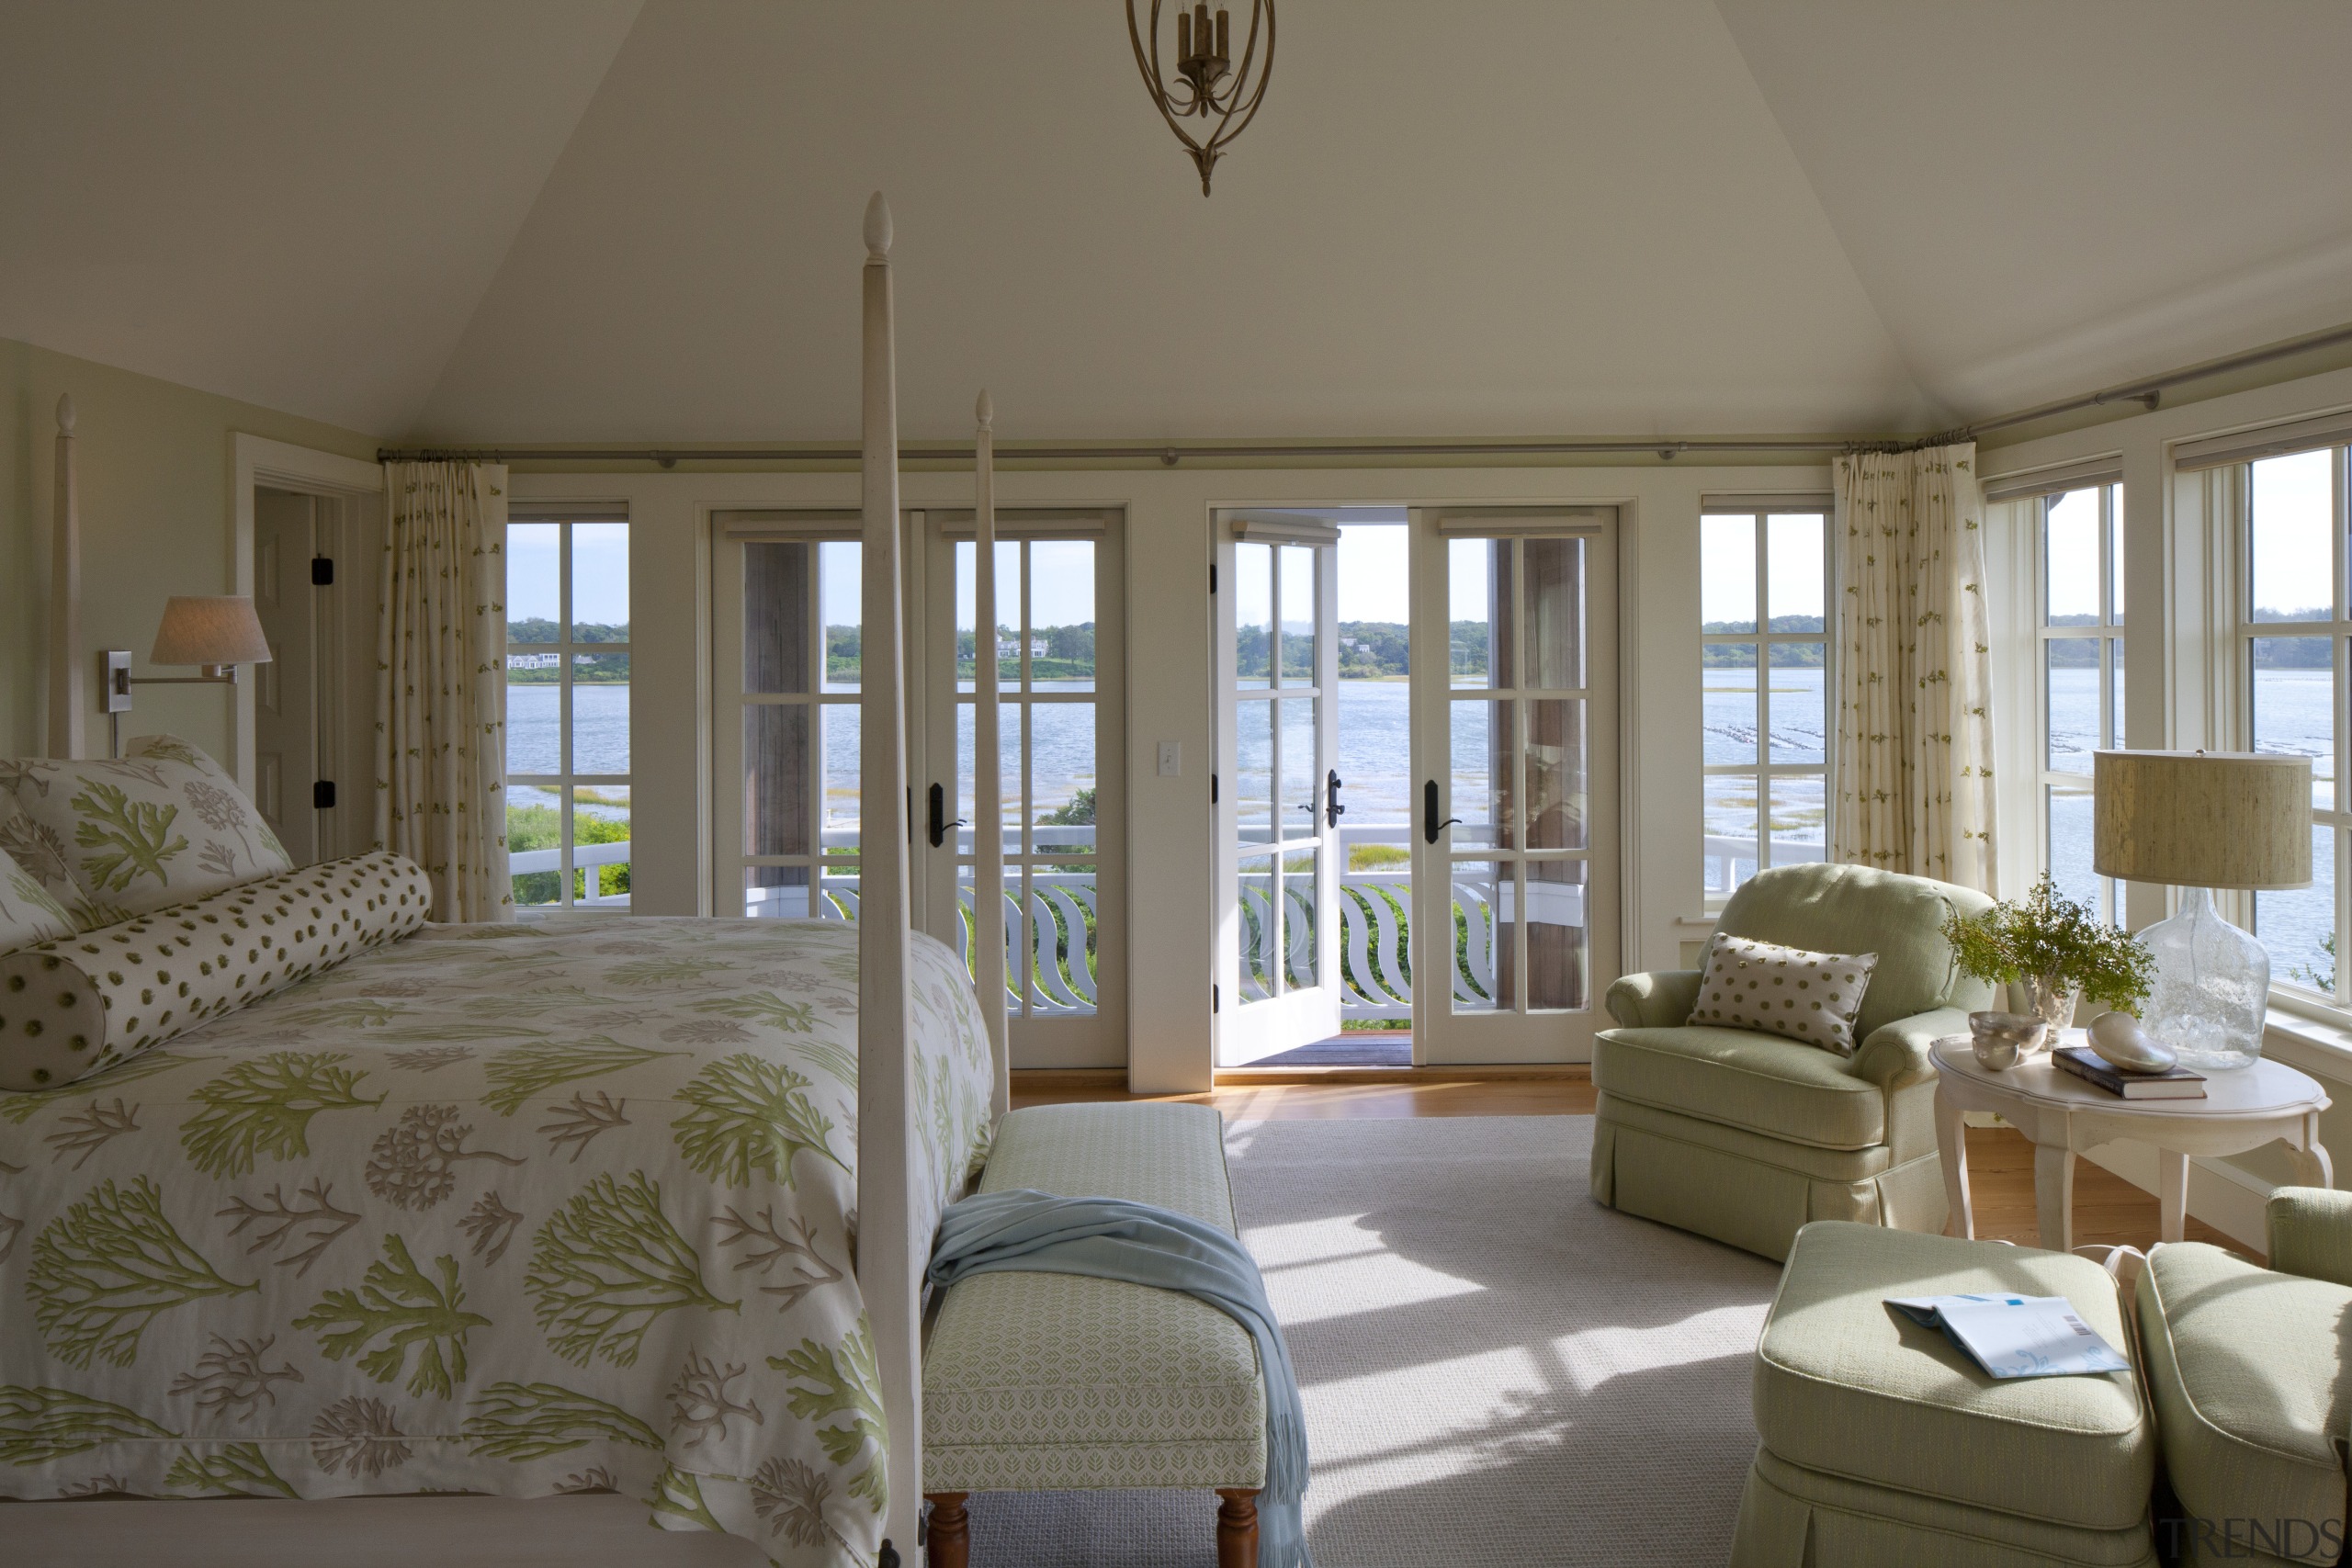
point(2203, 818)
point(209, 630)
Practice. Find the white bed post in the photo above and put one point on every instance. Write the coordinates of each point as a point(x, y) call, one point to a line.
point(988, 781)
point(890, 1257)
point(65, 596)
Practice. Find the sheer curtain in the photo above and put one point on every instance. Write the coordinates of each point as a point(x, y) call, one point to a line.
point(440, 684)
point(1914, 727)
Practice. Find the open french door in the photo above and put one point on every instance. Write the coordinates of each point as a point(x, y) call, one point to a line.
point(1515, 906)
point(1278, 984)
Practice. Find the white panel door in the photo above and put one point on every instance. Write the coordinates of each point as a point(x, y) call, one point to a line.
point(1278, 983)
point(1515, 876)
point(286, 695)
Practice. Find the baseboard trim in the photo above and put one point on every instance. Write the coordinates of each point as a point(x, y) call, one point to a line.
point(1241, 1077)
point(1053, 1079)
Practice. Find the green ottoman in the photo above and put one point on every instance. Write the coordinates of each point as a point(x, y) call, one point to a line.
point(1881, 1443)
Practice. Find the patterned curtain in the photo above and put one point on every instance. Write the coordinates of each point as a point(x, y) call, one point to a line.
point(1915, 728)
point(440, 684)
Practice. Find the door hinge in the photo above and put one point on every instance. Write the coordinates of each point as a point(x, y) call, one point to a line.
point(323, 796)
point(322, 571)
point(1216, 999)
point(1212, 789)
point(1212, 577)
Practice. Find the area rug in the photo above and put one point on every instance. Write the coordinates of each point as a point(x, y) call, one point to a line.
point(1497, 1370)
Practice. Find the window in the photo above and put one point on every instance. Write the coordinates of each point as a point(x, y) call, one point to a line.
point(2294, 635)
point(567, 712)
point(2080, 561)
point(1764, 581)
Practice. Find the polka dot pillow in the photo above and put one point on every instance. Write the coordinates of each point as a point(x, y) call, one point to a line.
point(1807, 996)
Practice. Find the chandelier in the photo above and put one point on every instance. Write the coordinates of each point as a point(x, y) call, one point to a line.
point(1209, 88)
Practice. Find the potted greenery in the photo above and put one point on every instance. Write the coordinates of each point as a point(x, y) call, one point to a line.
point(2060, 951)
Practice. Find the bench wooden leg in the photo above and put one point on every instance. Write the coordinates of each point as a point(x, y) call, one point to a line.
point(949, 1535)
point(1236, 1529)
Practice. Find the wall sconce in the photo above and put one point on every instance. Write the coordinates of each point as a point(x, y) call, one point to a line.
point(216, 632)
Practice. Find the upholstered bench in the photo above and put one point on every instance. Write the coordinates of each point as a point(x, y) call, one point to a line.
point(1053, 1382)
point(1881, 1443)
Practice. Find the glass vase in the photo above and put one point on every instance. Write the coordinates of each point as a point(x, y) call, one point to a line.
point(2212, 985)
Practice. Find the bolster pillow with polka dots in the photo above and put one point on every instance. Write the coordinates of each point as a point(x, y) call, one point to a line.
point(78, 1005)
point(1812, 997)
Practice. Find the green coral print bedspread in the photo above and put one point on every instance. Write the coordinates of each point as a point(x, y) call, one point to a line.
point(494, 1209)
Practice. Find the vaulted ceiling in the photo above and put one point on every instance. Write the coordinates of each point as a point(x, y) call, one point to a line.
point(555, 221)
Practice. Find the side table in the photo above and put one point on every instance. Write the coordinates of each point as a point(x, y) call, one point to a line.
point(2061, 1116)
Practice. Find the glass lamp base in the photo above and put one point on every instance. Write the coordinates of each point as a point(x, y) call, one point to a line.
point(2212, 986)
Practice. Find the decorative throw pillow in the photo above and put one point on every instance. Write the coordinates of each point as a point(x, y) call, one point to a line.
point(83, 1003)
point(110, 840)
point(1807, 996)
point(28, 913)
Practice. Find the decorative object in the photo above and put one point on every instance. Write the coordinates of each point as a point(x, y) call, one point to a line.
point(218, 632)
point(1210, 87)
point(1912, 786)
point(2061, 1116)
point(2200, 820)
point(2001, 1040)
point(2120, 1040)
point(1810, 998)
point(2176, 1083)
point(2058, 950)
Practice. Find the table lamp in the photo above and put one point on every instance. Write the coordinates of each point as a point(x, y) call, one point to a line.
point(217, 632)
point(2200, 820)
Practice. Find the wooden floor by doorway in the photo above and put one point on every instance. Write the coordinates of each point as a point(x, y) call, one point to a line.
point(2108, 1209)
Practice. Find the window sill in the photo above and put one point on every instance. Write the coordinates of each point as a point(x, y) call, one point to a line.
point(2310, 1035)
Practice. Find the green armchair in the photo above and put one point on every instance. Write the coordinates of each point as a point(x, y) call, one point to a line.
point(1746, 1137)
point(2250, 1370)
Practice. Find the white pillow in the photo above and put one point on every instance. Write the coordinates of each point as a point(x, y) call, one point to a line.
point(111, 839)
point(28, 913)
point(1811, 997)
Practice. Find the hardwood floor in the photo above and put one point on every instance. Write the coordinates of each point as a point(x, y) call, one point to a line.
point(2108, 1209)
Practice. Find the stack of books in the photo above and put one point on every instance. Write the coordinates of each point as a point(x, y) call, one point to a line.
point(2175, 1083)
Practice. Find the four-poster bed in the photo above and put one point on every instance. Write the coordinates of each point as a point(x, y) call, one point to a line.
point(659, 1014)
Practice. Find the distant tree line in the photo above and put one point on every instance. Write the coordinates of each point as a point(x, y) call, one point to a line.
point(1742, 656)
point(587, 669)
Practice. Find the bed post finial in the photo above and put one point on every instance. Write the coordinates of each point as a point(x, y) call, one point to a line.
point(985, 409)
point(877, 228)
point(65, 412)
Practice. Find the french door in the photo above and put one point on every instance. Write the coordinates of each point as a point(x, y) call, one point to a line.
point(1278, 983)
point(1515, 874)
point(786, 645)
point(1510, 924)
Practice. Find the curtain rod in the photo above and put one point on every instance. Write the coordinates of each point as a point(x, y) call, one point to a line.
point(2148, 392)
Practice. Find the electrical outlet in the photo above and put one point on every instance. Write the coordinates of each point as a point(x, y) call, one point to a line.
point(1172, 758)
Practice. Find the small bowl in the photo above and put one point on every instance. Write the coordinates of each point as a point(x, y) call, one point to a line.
point(2001, 1040)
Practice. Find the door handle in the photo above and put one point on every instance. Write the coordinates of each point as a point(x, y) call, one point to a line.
point(1333, 809)
point(939, 823)
point(1430, 826)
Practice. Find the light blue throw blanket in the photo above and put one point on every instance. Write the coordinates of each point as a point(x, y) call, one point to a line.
point(1110, 1238)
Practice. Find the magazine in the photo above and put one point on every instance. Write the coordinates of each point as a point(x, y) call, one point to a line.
point(2017, 1336)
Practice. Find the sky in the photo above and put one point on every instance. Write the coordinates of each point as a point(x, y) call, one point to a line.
point(599, 572)
point(2293, 498)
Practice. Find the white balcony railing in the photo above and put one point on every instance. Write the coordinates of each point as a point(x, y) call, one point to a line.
point(1730, 861)
point(583, 856)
